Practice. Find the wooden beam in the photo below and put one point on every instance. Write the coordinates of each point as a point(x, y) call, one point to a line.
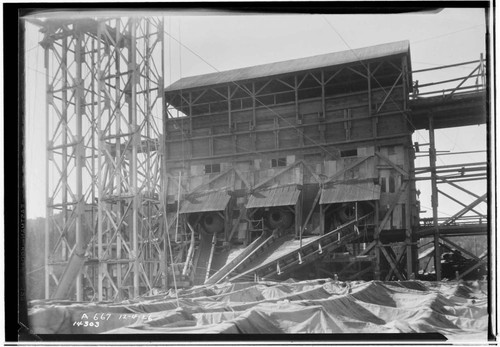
point(235, 226)
point(357, 72)
point(254, 116)
point(302, 80)
point(404, 71)
point(463, 81)
point(323, 95)
point(230, 119)
point(376, 68)
point(391, 263)
point(199, 96)
point(461, 203)
point(389, 93)
point(377, 240)
point(319, 80)
point(316, 177)
point(350, 167)
point(226, 97)
point(243, 179)
point(321, 220)
point(410, 263)
point(465, 210)
point(434, 198)
point(391, 164)
point(471, 268)
point(190, 114)
point(222, 174)
point(269, 179)
point(211, 257)
point(228, 219)
point(190, 254)
point(315, 202)
point(298, 217)
point(333, 76)
point(391, 209)
point(398, 260)
point(286, 84)
point(473, 256)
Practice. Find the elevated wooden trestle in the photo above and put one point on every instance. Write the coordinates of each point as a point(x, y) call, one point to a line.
point(463, 104)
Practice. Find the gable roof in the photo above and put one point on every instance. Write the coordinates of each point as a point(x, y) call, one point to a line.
point(290, 66)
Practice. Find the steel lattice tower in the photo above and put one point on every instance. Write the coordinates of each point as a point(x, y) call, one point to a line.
point(103, 111)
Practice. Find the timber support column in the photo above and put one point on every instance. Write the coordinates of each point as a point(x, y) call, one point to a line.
point(321, 219)
point(298, 216)
point(376, 236)
point(432, 159)
point(410, 193)
point(228, 220)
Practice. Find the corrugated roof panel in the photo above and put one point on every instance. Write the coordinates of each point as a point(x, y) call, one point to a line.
point(216, 201)
point(349, 192)
point(282, 196)
point(289, 66)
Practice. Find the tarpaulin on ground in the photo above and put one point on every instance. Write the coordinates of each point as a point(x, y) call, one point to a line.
point(454, 309)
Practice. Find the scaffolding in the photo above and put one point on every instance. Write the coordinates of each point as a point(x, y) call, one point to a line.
point(104, 80)
point(448, 103)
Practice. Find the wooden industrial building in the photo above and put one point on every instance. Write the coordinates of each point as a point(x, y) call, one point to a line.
point(308, 159)
point(296, 169)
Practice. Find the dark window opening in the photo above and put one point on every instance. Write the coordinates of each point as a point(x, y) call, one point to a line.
point(212, 168)
point(278, 162)
point(392, 185)
point(349, 153)
point(383, 188)
point(391, 150)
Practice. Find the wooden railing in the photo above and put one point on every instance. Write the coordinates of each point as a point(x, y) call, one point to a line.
point(474, 80)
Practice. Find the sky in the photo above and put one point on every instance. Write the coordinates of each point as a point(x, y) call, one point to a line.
point(226, 42)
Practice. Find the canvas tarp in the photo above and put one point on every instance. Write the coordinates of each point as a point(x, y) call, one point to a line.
point(454, 309)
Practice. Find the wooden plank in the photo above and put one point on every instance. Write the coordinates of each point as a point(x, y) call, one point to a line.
point(471, 268)
point(390, 92)
point(269, 179)
point(391, 263)
point(398, 260)
point(473, 256)
point(315, 202)
point(393, 205)
point(350, 167)
point(465, 210)
point(394, 166)
point(235, 226)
